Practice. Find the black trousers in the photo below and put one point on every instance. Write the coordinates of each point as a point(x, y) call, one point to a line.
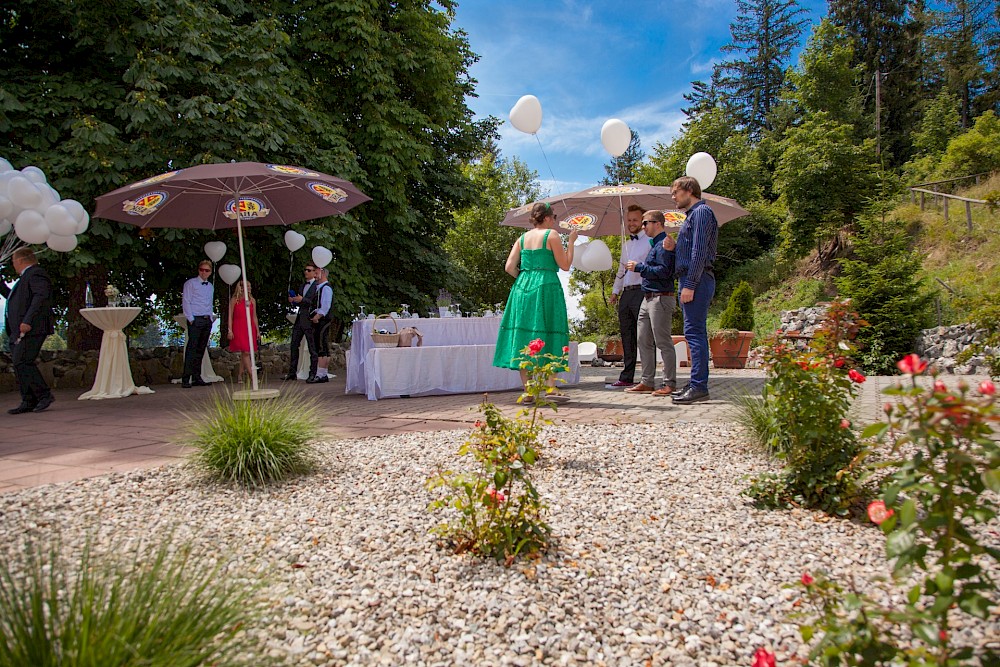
point(198, 335)
point(321, 336)
point(303, 328)
point(29, 380)
point(629, 303)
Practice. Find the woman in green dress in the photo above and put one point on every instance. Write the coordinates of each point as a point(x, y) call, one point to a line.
point(536, 307)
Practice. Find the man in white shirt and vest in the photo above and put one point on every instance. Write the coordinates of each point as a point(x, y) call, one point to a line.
point(627, 291)
point(196, 302)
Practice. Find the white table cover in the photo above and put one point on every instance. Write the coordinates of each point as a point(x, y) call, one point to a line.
point(114, 375)
point(208, 373)
point(437, 332)
point(461, 369)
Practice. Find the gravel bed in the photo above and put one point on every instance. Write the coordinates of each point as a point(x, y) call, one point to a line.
point(657, 559)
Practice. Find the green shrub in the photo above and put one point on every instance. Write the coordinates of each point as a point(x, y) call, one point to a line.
point(152, 607)
point(254, 442)
point(739, 313)
point(802, 419)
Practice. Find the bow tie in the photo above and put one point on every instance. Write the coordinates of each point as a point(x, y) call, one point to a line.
point(204, 282)
point(633, 237)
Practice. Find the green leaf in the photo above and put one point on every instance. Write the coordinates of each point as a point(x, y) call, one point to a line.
point(926, 632)
point(898, 542)
point(974, 605)
point(908, 513)
point(876, 430)
point(991, 478)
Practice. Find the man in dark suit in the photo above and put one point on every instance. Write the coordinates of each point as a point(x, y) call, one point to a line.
point(29, 321)
point(303, 327)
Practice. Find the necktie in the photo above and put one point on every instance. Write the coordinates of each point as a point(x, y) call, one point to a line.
point(651, 244)
point(633, 236)
point(204, 282)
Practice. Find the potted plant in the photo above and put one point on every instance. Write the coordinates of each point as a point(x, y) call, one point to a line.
point(443, 302)
point(730, 345)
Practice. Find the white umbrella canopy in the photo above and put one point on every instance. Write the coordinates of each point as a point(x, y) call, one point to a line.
point(600, 211)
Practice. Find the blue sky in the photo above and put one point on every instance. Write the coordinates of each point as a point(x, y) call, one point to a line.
point(586, 62)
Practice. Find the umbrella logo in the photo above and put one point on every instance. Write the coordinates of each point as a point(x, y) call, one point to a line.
point(674, 216)
point(285, 169)
point(156, 179)
point(250, 209)
point(328, 192)
point(616, 190)
point(146, 204)
point(580, 223)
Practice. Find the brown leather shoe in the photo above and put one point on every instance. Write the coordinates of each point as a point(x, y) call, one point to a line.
point(641, 389)
point(665, 390)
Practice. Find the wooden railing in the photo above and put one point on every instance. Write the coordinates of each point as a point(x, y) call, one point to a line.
point(936, 193)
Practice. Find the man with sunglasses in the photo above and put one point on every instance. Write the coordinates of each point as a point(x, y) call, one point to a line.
point(303, 327)
point(196, 301)
point(656, 313)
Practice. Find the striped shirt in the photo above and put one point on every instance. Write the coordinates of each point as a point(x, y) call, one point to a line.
point(697, 243)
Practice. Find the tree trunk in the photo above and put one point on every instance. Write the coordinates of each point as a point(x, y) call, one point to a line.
point(81, 335)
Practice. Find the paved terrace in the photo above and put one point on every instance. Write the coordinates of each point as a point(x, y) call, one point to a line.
point(78, 439)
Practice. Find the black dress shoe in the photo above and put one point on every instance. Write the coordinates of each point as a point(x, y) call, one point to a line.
point(692, 395)
point(44, 403)
point(311, 379)
point(675, 394)
point(185, 384)
point(198, 382)
point(21, 409)
point(325, 378)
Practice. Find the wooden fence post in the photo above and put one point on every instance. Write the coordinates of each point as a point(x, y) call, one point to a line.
point(945, 208)
point(968, 216)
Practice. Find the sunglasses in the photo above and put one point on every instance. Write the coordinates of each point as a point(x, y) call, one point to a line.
point(204, 270)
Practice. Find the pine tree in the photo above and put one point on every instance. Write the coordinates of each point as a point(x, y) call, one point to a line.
point(764, 34)
point(622, 169)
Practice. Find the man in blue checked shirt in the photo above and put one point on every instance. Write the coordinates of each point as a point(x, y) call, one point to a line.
point(697, 242)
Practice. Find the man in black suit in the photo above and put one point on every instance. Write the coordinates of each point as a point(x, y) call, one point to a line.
point(29, 321)
point(303, 327)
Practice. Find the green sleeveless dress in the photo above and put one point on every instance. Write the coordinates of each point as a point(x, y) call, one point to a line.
point(536, 308)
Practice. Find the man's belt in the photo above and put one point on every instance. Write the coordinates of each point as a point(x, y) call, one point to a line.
point(625, 289)
point(653, 295)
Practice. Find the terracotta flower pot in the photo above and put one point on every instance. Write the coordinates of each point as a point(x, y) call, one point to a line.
point(729, 349)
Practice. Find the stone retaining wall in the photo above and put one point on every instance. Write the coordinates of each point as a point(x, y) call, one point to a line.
point(68, 369)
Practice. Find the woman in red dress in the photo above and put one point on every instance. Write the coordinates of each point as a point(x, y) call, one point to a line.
point(238, 341)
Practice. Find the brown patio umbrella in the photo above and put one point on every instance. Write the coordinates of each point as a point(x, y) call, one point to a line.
point(599, 211)
point(208, 196)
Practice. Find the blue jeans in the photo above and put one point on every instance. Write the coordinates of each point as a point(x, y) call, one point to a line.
point(696, 330)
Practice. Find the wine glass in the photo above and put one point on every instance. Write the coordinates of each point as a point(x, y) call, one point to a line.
point(362, 315)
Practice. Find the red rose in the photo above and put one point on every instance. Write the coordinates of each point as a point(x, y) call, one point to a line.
point(839, 362)
point(940, 387)
point(878, 512)
point(911, 364)
point(987, 388)
point(535, 346)
point(763, 658)
point(565, 349)
point(806, 579)
point(845, 423)
point(856, 376)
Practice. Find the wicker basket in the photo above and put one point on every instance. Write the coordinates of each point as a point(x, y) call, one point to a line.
point(386, 340)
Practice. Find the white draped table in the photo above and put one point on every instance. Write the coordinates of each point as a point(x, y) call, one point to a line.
point(455, 369)
point(437, 332)
point(114, 375)
point(208, 373)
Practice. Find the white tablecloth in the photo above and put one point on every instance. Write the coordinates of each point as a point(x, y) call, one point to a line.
point(114, 375)
point(443, 331)
point(208, 373)
point(460, 369)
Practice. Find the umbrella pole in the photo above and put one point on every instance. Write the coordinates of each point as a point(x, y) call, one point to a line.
point(246, 296)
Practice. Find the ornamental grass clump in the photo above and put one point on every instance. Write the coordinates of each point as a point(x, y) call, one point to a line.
point(253, 443)
point(151, 606)
point(496, 510)
point(802, 418)
point(936, 511)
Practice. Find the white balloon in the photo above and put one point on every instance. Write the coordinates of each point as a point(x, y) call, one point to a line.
point(702, 168)
point(578, 253)
point(75, 208)
point(59, 221)
point(5, 179)
point(34, 174)
point(30, 227)
point(61, 243)
point(615, 136)
point(229, 273)
point(526, 115)
point(5, 166)
point(598, 256)
point(294, 240)
point(55, 193)
point(6, 207)
point(83, 223)
point(5, 226)
point(215, 250)
point(23, 193)
point(321, 256)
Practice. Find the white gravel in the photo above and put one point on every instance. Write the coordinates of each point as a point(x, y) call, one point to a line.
point(657, 558)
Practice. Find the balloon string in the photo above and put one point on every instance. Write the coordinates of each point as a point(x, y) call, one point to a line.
point(291, 261)
point(546, 158)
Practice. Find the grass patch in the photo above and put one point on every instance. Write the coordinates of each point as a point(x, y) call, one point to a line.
point(151, 607)
point(254, 443)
